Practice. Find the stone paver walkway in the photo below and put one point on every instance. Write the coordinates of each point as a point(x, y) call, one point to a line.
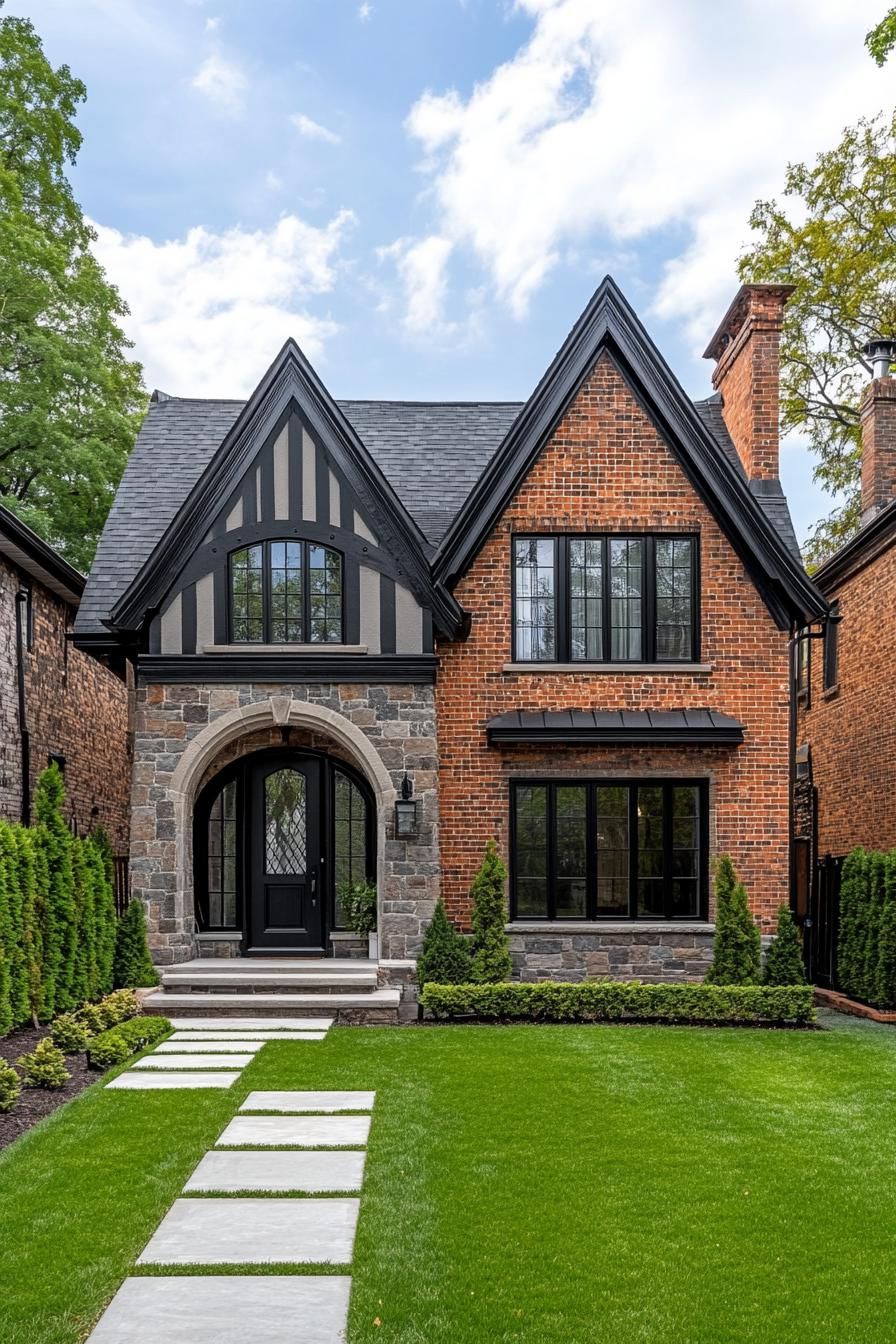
point(238, 1229)
point(150, 1082)
point(228, 1309)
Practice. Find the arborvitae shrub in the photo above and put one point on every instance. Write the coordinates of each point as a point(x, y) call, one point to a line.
point(488, 916)
point(12, 925)
point(445, 957)
point(133, 964)
point(885, 973)
point(44, 1066)
point(32, 870)
point(737, 946)
point(98, 855)
point(53, 840)
point(82, 909)
point(10, 1086)
point(70, 1033)
point(784, 960)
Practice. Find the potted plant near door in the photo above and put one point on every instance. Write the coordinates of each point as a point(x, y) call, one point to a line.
point(358, 900)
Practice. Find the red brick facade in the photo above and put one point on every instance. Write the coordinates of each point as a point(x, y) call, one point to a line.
point(607, 469)
point(878, 446)
point(74, 707)
point(850, 728)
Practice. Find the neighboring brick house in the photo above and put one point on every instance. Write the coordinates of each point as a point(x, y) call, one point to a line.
point(565, 624)
point(56, 702)
point(846, 730)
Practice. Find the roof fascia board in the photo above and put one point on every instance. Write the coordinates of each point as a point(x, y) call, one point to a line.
point(48, 563)
point(290, 379)
point(610, 323)
point(861, 550)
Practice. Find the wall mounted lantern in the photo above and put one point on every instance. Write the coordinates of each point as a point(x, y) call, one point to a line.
point(406, 812)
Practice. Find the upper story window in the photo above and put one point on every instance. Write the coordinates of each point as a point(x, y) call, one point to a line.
point(832, 649)
point(602, 599)
point(803, 666)
point(286, 592)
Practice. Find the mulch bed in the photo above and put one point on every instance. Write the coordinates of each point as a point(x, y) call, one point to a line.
point(36, 1102)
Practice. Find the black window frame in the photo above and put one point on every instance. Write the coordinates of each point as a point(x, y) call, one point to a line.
point(266, 603)
point(591, 784)
point(831, 652)
point(563, 601)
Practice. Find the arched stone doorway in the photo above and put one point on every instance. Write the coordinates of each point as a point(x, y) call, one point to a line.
point(276, 835)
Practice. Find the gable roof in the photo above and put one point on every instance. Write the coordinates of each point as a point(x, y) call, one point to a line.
point(432, 455)
point(610, 325)
point(289, 384)
point(21, 545)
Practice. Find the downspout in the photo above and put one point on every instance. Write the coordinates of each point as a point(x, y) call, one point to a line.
point(24, 736)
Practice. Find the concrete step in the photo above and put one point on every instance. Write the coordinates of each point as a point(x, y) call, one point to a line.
point(268, 975)
point(370, 1006)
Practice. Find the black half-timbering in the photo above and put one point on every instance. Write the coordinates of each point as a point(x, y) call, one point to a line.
point(292, 558)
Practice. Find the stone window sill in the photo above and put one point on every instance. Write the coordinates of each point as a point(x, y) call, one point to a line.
point(280, 649)
point(831, 692)
point(225, 936)
point(567, 926)
point(611, 669)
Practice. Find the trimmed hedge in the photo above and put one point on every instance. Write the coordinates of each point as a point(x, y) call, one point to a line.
point(119, 1043)
point(622, 1001)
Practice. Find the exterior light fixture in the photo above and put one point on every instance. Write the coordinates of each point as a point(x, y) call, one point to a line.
point(406, 812)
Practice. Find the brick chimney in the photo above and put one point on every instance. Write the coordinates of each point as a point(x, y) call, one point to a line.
point(878, 413)
point(746, 349)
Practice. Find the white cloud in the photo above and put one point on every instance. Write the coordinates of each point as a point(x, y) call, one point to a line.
point(212, 23)
point(365, 11)
point(312, 130)
point(273, 181)
point(613, 122)
point(421, 267)
point(222, 82)
point(209, 311)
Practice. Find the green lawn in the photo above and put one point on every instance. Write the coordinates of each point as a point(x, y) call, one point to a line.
point(544, 1184)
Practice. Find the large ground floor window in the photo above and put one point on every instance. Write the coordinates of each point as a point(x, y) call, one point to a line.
point(609, 849)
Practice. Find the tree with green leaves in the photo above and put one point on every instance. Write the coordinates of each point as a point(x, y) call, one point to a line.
point(833, 237)
point(784, 960)
point(53, 841)
point(882, 39)
point(737, 946)
point(445, 956)
point(70, 399)
point(488, 916)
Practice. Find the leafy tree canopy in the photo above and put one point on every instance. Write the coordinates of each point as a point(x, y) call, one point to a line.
point(834, 239)
point(882, 39)
point(70, 399)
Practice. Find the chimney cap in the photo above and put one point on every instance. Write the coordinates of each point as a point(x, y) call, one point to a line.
point(737, 312)
point(882, 354)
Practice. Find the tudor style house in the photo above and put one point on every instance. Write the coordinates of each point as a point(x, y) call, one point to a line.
point(369, 636)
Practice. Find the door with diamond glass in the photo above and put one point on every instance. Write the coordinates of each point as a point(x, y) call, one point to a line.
point(285, 897)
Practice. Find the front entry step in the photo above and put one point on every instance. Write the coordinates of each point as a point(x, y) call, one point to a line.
point(267, 975)
point(373, 1006)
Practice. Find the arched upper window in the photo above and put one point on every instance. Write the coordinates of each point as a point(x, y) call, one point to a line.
point(286, 592)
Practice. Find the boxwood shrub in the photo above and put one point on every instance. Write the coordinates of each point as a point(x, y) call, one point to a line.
point(119, 1043)
point(622, 1001)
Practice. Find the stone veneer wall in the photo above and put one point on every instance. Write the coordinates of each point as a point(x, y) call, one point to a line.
point(398, 722)
point(653, 953)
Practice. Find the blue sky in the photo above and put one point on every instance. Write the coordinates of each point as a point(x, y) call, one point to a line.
point(425, 192)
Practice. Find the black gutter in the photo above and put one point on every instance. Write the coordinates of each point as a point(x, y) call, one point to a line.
point(41, 554)
point(24, 735)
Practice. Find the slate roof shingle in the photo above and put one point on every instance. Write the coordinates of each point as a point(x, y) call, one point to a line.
point(432, 453)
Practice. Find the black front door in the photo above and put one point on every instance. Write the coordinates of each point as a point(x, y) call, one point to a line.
point(285, 904)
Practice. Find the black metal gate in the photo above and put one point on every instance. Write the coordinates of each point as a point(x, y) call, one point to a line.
point(822, 922)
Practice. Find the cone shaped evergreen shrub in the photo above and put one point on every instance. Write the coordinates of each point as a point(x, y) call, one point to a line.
point(488, 916)
point(445, 957)
point(784, 959)
point(885, 972)
point(10, 1086)
point(133, 964)
point(851, 936)
point(44, 1066)
point(53, 840)
point(737, 946)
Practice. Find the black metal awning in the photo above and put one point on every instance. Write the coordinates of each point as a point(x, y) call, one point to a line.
point(681, 727)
